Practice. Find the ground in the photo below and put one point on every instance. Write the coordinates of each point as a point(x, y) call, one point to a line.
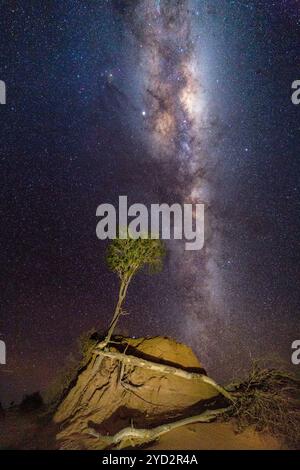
point(109, 394)
point(30, 432)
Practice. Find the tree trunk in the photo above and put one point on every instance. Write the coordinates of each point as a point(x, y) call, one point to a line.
point(118, 310)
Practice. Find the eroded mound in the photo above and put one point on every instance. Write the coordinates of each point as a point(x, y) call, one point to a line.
point(151, 385)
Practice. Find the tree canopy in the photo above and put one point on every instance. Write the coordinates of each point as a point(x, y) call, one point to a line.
point(127, 256)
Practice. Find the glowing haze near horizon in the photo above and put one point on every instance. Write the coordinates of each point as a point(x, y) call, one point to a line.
point(163, 101)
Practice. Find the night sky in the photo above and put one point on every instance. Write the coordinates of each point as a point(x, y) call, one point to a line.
point(162, 101)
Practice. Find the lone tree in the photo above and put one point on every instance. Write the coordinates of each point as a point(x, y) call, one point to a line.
point(126, 256)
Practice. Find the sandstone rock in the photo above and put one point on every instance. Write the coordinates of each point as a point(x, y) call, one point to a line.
point(108, 394)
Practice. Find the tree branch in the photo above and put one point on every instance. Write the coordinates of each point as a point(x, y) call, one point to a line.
point(131, 437)
point(136, 361)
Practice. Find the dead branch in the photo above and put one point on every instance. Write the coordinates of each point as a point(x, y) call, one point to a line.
point(131, 437)
point(136, 361)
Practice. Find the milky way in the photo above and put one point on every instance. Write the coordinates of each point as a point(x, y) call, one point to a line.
point(163, 101)
point(179, 130)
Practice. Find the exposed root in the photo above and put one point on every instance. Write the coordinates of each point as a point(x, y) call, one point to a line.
point(138, 362)
point(131, 437)
point(269, 400)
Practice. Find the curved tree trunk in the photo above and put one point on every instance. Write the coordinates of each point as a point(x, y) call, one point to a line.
point(118, 310)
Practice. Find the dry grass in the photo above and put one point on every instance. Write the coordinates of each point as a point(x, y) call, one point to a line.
point(269, 400)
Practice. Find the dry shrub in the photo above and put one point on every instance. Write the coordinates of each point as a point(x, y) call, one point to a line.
point(269, 400)
point(68, 374)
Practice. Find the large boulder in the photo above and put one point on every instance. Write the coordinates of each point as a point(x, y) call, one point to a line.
point(109, 395)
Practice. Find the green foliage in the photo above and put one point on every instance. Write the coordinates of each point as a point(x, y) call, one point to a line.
point(269, 400)
point(127, 256)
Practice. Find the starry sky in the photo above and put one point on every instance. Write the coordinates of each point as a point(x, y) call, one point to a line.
point(162, 101)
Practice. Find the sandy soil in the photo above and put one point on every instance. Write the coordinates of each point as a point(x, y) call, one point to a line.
point(24, 432)
point(214, 436)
